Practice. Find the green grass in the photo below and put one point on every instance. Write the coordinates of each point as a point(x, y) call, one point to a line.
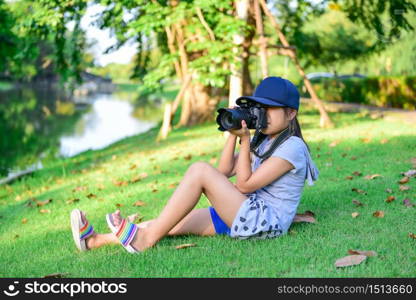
point(44, 244)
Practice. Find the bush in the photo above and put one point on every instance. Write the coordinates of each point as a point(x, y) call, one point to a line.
point(383, 91)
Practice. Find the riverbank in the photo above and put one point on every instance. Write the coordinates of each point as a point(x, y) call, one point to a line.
point(139, 175)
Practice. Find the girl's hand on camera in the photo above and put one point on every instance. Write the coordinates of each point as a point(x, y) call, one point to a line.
point(242, 132)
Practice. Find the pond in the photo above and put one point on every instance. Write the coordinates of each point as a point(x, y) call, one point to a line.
point(38, 124)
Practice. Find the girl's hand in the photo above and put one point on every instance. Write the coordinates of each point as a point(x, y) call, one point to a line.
point(242, 132)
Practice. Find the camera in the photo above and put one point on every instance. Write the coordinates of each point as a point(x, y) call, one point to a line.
point(253, 113)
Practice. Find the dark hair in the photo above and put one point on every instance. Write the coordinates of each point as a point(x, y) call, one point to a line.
point(294, 127)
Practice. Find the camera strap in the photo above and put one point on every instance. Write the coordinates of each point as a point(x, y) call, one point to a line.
point(259, 137)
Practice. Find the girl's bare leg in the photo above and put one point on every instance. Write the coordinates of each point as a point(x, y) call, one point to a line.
point(200, 178)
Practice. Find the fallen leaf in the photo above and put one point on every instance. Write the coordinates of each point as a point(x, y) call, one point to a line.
point(406, 202)
point(359, 191)
point(71, 201)
point(410, 173)
point(213, 160)
point(79, 189)
point(366, 140)
point(183, 246)
point(357, 203)
point(42, 203)
point(334, 143)
point(390, 199)
point(359, 252)
point(91, 195)
point(133, 166)
point(349, 177)
point(384, 141)
point(24, 221)
point(356, 173)
point(188, 157)
point(389, 191)
point(353, 157)
point(16, 236)
point(45, 211)
point(344, 154)
point(135, 179)
point(120, 183)
point(172, 185)
point(350, 260)
point(355, 214)
point(154, 190)
point(412, 235)
point(404, 187)
point(139, 203)
point(119, 205)
point(378, 214)
point(404, 180)
point(372, 176)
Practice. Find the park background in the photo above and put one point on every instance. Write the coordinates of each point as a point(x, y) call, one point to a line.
point(105, 104)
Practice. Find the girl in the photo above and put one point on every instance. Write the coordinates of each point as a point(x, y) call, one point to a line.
point(261, 204)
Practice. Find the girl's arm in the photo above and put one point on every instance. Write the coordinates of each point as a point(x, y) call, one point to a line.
point(227, 160)
point(243, 166)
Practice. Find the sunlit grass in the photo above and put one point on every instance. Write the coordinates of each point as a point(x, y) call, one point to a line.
point(43, 245)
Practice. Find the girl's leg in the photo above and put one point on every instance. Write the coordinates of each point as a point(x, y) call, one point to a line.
point(200, 178)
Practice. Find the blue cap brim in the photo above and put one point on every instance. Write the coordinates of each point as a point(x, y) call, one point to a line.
point(261, 100)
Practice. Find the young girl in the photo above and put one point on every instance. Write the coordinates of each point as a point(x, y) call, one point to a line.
point(261, 204)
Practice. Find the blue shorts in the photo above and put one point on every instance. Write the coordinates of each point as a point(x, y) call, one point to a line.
point(220, 226)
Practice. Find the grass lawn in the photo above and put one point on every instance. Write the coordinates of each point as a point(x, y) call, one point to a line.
point(35, 244)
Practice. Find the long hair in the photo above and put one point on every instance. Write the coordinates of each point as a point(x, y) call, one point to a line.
point(294, 127)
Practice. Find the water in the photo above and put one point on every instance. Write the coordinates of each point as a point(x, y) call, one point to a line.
point(38, 124)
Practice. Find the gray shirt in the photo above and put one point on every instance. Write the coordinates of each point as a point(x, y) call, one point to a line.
point(283, 195)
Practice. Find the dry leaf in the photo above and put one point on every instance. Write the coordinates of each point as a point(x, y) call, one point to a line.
point(119, 205)
point(378, 214)
point(355, 214)
point(359, 191)
point(412, 235)
point(390, 199)
point(334, 143)
point(42, 203)
point(154, 190)
point(356, 173)
point(344, 154)
point(188, 157)
point(353, 157)
point(357, 203)
point(350, 260)
point(135, 179)
point(139, 203)
point(404, 188)
point(24, 221)
point(372, 176)
point(183, 246)
point(349, 177)
point(45, 211)
point(79, 189)
point(384, 141)
point(213, 160)
point(359, 252)
point(133, 166)
point(410, 173)
point(366, 140)
point(404, 180)
point(120, 183)
point(389, 191)
point(406, 202)
point(91, 195)
point(71, 201)
point(172, 185)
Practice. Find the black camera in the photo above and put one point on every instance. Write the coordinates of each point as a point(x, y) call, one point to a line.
point(252, 112)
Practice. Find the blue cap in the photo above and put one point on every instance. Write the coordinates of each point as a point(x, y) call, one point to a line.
point(274, 91)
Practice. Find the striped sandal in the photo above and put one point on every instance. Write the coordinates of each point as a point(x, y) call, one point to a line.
point(80, 231)
point(125, 232)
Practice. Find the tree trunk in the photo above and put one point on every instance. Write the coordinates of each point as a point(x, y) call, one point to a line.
point(236, 77)
point(262, 39)
point(325, 121)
